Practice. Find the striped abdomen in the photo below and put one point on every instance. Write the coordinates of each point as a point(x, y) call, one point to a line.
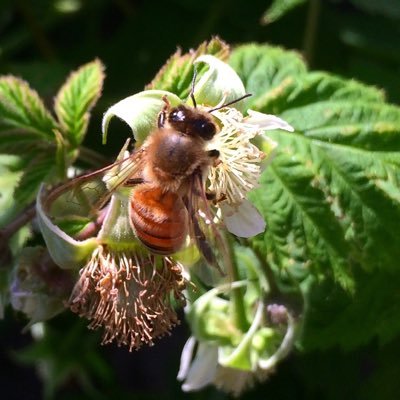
point(159, 219)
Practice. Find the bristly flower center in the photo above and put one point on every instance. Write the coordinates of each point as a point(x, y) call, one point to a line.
point(129, 295)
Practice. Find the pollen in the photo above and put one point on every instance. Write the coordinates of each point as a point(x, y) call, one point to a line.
point(129, 295)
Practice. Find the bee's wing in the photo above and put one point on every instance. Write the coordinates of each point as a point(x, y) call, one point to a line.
point(82, 201)
point(207, 235)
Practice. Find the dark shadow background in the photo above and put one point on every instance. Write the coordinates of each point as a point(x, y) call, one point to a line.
point(43, 40)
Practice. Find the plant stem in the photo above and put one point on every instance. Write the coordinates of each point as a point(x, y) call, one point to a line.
point(237, 295)
point(291, 299)
point(22, 219)
point(311, 31)
point(269, 275)
point(41, 40)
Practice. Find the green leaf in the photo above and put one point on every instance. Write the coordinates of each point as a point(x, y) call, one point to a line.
point(10, 174)
point(330, 91)
point(22, 111)
point(40, 169)
point(330, 196)
point(21, 143)
point(266, 75)
point(177, 73)
point(353, 320)
point(76, 98)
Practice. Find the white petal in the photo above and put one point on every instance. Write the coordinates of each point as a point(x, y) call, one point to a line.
point(244, 221)
point(267, 121)
point(186, 358)
point(203, 368)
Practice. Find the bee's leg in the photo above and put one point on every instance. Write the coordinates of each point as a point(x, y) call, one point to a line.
point(162, 117)
point(134, 182)
point(211, 196)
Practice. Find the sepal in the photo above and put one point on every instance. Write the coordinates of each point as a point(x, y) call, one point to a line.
point(66, 252)
point(139, 111)
point(219, 83)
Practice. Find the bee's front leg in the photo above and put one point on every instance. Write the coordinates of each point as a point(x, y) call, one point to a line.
point(211, 196)
point(162, 117)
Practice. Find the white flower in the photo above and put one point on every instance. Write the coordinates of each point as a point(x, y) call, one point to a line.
point(199, 372)
point(239, 166)
point(236, 367)
point(205, 370)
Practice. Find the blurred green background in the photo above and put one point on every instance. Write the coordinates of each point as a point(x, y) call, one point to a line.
point(42, 40)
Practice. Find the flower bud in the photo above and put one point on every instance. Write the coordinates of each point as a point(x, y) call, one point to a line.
point(38, 287)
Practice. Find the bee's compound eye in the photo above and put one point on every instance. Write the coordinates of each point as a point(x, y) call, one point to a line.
point(205, 129)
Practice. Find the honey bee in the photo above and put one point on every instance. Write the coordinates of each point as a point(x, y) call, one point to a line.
point(168, 180)
point(175, 157)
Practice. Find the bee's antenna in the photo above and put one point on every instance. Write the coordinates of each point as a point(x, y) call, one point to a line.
point(229, 103)
point(191, 94)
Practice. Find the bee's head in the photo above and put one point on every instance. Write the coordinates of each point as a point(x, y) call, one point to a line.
point(192, 122)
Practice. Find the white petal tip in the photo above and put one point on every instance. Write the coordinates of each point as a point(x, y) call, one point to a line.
point(267, 121)
point(243, 221)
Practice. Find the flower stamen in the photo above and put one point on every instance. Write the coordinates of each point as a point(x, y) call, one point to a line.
point(238, 170)
point(129, 295)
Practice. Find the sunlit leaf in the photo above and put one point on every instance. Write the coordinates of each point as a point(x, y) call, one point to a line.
point(266, 75)
point(76, 98)
point(10, 173)
point(22, 111)
point(177, 73)
point(330, 197)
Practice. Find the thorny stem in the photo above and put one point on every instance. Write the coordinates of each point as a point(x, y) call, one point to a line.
point(22, 219)
point(239, 310)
